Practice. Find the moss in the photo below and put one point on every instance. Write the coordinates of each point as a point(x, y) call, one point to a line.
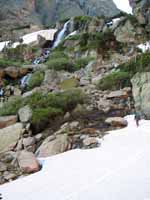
point(69, 83)
point(114, 81)
point(36, 80)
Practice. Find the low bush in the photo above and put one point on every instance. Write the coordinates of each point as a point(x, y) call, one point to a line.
point(11, 107)
point(82, 62)
point(36, 80)
point(45, 107)
point(114, 81)
point(141, 63)
point(60, 64)
point(6, 63)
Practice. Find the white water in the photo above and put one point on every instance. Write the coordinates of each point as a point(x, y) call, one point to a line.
point(60, 35)
point(118, 170)
point(144, 47)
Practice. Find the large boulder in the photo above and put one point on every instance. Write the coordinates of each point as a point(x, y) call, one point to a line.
point(52, 146)
point(7, 121)
point(28, 162)
point(12, 72)
point(9, 136)
point(125, 33)
point(140, 89)
point(116, 121)
point(25, 114)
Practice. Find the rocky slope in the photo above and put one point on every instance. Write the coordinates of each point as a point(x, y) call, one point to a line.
point(19, 16)
point(80, 91)
point(141, 10)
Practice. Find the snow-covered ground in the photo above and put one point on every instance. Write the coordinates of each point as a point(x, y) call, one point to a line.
point(32, 37)
point(123, 5)
point(118, 170)
point(144, 47)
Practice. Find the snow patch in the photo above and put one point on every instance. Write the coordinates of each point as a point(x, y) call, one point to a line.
point(32, 37)
point(123, 5)
point(119, 169)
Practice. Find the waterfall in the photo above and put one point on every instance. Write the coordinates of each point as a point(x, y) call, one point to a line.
point(25, 80)
point(60, 35)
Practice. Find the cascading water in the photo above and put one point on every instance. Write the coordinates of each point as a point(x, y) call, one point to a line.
point(59, 38)
point(61, 35)
point(25, 80)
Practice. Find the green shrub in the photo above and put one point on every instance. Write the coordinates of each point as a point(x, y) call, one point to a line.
point(45, 107)
point(60, 64)
point(141, 63)
point(11, 107)
point(82, 62)
point(43, 115)
point(36, 80)
point(6, 63)
point(114, 81)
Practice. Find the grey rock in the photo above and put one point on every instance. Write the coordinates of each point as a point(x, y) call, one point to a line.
point(28, 162)
point(25, 114)
point(56, 146)
point(9, 136)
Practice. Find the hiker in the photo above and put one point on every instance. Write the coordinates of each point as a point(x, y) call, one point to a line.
point(137, 118)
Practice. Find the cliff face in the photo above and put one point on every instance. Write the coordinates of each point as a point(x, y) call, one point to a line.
point(141, 10)
point(21, 16)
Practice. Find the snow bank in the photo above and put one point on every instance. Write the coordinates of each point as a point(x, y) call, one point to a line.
point(144, 47)
point(123, 5)
point(32, 37)
point(118, 170)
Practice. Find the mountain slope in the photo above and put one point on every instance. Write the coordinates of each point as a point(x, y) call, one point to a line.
point(18, 17)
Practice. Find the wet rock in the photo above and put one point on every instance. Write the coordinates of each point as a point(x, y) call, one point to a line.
point(25, 114)
point(9, 136)
point(116, 121)
point(52, 147)
point(17, 92)
point(28, 162)
point(7, 121)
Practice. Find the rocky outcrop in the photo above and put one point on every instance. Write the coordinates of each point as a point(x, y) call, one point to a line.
point(141, 9)
point(141, 88)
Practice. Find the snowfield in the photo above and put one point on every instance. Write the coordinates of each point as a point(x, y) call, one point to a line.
point(118, 170)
